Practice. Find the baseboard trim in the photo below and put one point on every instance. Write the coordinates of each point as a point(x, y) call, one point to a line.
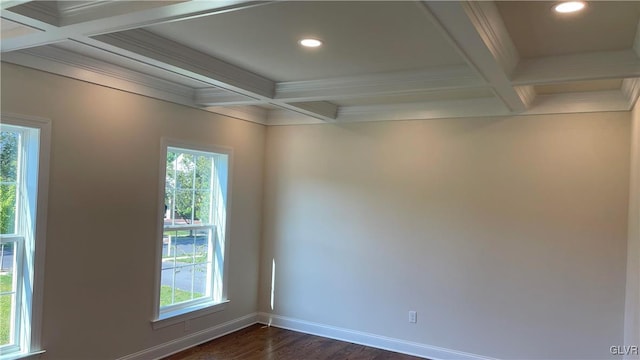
point(368, 339)
point(191, 340)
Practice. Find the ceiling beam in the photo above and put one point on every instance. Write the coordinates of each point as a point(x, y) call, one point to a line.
point(143, 18)
point(399, 83)
point(477, 31)
point(581, 102)
point(577, 67)
point(323, 108)
point(363, 86)
point(67, 63)
point(152, 49)
point(147, 47)
point(221, 97)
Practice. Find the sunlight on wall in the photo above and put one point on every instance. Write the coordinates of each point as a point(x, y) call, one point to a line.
point(273, 280)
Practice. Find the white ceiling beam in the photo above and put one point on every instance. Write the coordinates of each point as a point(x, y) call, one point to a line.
point(477, 31)
point(399, 83)
point(323, 108)
point(147, 47)
point(423, 110)
point(67, 63)
point(390, 84)
point(577, 67)
point(221, 97)
point(155, 50)
point(582, 102)
point(127, 21)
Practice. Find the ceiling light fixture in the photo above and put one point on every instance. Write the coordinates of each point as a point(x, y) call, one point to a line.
point(569, 6)
point(312, 43)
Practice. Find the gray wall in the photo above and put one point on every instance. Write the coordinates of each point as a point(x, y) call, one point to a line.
point(507, 235)
point(101, 238)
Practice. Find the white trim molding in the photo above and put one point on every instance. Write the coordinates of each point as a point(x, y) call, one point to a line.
point(191, 340)
point(367, 339)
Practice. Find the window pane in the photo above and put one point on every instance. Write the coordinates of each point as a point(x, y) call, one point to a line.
point(7, 208)
point(203, 173)
point(7, 262)
point(185, 168)
point(184, 207)
point(6, 302)
point(9, 156)
point(203, 206)
point(185, 256)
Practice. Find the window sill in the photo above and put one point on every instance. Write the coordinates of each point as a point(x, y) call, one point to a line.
point(192, 312)
point(22, 355)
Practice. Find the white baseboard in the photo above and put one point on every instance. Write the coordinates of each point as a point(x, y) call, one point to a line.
point(191, 340)
point(368, 339)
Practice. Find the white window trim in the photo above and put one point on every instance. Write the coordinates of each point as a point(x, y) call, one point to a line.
point(158, 320)
point(44, 125)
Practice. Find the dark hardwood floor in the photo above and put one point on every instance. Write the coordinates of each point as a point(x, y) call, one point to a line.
point(259, 342)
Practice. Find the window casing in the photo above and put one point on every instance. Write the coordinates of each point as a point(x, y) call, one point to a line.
point(24, 149)
point(194, 202)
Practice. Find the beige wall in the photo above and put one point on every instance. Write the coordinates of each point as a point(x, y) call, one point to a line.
point(102, 211)
point(632, 314)
point(507, 235)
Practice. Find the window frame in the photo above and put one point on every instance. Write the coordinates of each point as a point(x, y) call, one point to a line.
point(29, 342)
point(197, 307)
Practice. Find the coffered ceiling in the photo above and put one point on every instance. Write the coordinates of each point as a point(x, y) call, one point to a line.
point(380, 60)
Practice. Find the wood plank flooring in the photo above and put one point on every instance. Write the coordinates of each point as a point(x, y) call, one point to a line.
point(259, 342)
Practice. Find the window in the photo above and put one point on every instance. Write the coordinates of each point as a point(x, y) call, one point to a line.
point(23, 173)
point(195, 203)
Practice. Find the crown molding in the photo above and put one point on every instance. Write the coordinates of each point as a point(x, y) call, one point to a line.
point(475, 31)
point(279, 117)
point(325, 108)
point(249, 113)
point(221, 97)
point(398, 83)
point(188, 61)
point(69, 8)
point(582, 102)
point(11, 3)
point(79, 31)
point(64, 62)
point(426, 110)
point(67, 63)
point(527, 94)
point(577, 67)
point(631, 89)
point(488, 22)
point(45, 11)
point(156, 50)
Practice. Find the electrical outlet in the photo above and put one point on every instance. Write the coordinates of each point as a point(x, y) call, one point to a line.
point(413, 316)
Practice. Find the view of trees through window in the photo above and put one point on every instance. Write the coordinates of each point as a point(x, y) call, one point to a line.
point(9, 142)
point(8, 179)
point(188, 227)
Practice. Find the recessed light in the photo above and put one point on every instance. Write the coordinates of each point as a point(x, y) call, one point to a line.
point(569, 6)
point(312, 43)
